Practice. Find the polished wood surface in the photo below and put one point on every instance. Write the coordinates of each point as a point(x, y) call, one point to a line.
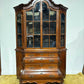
point(41, 64)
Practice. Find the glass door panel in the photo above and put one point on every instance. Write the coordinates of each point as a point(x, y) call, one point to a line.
point(29, 27)
point(45, 41)
point(37, 28)
point(62, 40)
point(52, 15)
point(45, 12)
point(52, 27)
point(29, 15)
point(19, 31)
point(37, 11)
point(36, 41)
point(62, 30)
point(53, 41)
point(19, 40)
point(30, 42)
point(45, 27)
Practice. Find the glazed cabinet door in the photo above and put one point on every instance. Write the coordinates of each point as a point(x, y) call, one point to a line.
point(41, 26)
point(19, 29)
point(33, 27)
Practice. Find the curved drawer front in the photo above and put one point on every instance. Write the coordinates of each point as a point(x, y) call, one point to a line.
point(41, 54)
point(32, 67)
point(41, 67)
point(41, 60)
point(40, 75)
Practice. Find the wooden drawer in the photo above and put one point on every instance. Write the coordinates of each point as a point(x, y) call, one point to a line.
point(32, 60)
point(41, 54)
point(40, 75)
point(41, 67)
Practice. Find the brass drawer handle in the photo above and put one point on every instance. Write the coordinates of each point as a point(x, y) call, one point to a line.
point(51, 55)
point(51, 60)
point(31, 67)
point(41, 65)
point(41, 73)
point(51, 67)
point(31, 76)
point(41, 59)
point(30, 61)
point(51, 76)
point(31, 55)
point(41, 54)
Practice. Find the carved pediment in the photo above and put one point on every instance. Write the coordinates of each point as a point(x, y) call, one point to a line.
point(32, 2)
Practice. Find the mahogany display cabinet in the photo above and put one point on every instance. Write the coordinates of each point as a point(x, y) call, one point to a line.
point(41, 42)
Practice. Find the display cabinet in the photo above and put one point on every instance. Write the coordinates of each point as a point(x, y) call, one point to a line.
point(41, 42)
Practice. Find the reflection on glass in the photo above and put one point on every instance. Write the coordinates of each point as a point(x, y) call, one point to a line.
point(45, 41)
point(62, 40)
point(36, 41)
point(19, 40)
point(36, 27)
point(29, 28)
point(52, 27)
point(30, 42)
point(52, 15)
point(62, 18)
point(62, 28)
point(45, 27)
point(37, 11)
point(19, 18)
point(52, 41)
point(45, 11)
point(29, 15)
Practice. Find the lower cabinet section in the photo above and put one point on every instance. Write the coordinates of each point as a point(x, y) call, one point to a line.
point(26, 75)
point(41, 68)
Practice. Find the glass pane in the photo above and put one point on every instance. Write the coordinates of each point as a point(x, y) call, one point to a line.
point(19, 18)
point(19, 28)
point(52, 15)
point(29, 15)
point(62, 28)
point(45, 41)
point(19, 40)
point(45, 11)
point(45, 27)
point(36, 27)
point(29, 42)
point(62, 40)
point(37, 41)
point(37, 12)
point(52, 41)
point(29, 28)
point(62, 18)
point(19, 23)
point(52, 27)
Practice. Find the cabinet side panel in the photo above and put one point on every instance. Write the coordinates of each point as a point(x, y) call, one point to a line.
point(18, 62)
point(63, 62)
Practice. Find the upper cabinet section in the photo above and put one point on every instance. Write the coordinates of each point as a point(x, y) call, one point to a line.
point(41, 24)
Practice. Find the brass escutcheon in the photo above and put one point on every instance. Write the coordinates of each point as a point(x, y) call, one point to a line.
point(31, 76)
point(51, 75)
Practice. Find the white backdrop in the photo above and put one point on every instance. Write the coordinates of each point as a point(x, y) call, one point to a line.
point(74, 39)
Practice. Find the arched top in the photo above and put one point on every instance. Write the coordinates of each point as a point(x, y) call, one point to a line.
point(33, 2)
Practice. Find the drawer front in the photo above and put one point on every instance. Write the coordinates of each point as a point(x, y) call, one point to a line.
point(32, 67)
point(41, 67)
point(41, 54)
point(40, 75)
point(32, 60)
